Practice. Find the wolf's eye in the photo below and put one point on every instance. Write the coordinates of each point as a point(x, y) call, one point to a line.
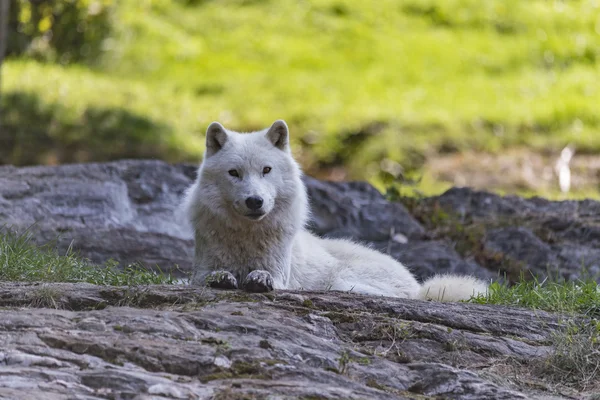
point(266, 170)
point(233, 172)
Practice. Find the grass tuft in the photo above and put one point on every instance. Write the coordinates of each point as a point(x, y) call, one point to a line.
point(580, 296)
point(23, 261)
point(46, 297)
point(575, 360)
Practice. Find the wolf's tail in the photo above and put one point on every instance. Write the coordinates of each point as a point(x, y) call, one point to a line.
point(452, 288)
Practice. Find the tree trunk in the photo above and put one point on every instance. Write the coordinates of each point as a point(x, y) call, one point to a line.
point(4, 6)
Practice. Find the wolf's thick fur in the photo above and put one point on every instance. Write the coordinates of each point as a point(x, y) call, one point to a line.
point(233, 235)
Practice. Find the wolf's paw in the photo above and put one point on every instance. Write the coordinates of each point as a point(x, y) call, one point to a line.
point(221, 280)
point(258, 281)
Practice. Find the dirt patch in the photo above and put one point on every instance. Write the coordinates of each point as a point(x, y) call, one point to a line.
point(514, 171)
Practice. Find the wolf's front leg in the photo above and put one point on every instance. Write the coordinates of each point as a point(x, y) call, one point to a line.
point(258, 281)
point(216, 279)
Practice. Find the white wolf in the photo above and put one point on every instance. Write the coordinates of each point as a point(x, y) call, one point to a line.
point(248, 208)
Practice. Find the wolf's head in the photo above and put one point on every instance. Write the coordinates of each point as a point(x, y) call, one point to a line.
point(250, 175)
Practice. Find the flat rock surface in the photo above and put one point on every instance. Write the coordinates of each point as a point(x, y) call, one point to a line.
point(127, 211)
point(80, 341)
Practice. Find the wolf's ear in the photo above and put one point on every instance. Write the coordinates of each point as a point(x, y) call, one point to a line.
point(216, 136)
point(278, 134)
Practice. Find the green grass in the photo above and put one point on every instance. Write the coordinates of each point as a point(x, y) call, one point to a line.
point(581, 297)
point(575, 357)
point(23, 261)
point(574, 360)
point(358, 82)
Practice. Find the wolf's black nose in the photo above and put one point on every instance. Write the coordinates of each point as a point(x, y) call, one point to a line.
point(254, 202)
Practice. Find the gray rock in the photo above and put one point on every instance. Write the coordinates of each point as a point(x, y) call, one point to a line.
point(125, 210)
point(520, 245)
point(357, 210)
point(181, 342)
point(429, 257)
point(121, 210)
point(513, 235)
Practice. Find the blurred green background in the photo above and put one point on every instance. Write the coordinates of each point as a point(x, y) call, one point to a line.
point(420, 94)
